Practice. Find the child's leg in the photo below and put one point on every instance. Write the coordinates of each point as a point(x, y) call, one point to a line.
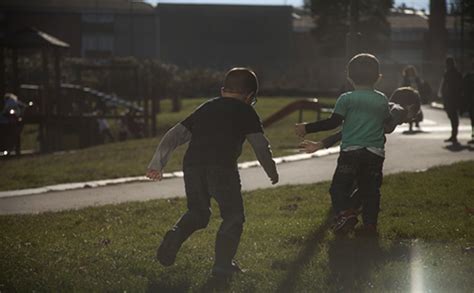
point(224, 185)
point(370, 181)
point(343, 181)
point(196, 217)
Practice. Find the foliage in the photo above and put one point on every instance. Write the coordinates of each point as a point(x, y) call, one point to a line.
point(332, 19)
point(130, 76)
point(426, 238)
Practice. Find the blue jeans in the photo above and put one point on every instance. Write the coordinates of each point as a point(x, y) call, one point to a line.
point(360, 169)
point(223, 184)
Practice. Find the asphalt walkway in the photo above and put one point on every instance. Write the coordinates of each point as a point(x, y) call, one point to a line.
point(404, 152)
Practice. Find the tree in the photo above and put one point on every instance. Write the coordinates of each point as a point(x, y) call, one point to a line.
point(437, 30)
point(333, 22)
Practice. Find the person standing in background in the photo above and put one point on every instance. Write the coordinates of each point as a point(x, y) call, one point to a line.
point(469, 97)
point(451, 92)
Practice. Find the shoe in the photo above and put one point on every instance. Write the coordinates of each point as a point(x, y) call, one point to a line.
point(345, 222)
point(226, 271)
point(451, 139)
point(169, 247)
point(368, 230)
point(471, 141)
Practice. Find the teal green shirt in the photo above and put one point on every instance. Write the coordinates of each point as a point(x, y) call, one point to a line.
point(364, 113)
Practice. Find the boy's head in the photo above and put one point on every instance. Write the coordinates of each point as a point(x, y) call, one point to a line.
point(241, 82)
point(409, 99)
point(363, 70)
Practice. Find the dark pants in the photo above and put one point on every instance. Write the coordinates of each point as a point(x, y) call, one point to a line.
point(453, 115)
point(361, 169)
point(202, 183)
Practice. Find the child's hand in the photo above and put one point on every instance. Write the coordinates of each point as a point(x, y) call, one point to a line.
point(300, 129)
point(154, 174)
point(308, 146)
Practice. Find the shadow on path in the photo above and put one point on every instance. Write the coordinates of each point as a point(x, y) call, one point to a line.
point(413, 132)
point(457, 147)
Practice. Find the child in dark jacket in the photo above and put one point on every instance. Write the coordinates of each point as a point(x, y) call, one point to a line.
point(215, 131)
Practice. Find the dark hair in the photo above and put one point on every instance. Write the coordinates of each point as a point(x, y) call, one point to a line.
point(363, 69)
point(241, 80)
point(409, 68)
point(406, 96)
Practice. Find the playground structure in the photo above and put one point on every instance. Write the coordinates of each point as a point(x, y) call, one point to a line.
point(299, 105)
point(67, 114)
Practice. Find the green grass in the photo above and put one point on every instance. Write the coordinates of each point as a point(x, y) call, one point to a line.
point(286, 245)
point(131, 157)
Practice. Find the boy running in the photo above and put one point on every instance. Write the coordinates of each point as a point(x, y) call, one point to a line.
point(404, 104)
point(362, 114)
point(216, 131)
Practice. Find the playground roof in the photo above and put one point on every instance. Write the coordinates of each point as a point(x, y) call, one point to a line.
point(32, 38)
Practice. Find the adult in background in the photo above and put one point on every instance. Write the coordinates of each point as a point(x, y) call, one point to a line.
point(469, 97)
point(411, 79)
point(11, 121)
point(451, 92)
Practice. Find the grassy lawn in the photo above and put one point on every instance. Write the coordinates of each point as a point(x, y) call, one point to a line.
point(131, 157)
point(425, 228)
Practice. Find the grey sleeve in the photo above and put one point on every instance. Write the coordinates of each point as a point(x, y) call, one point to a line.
point(262, 149)
point(175, 137)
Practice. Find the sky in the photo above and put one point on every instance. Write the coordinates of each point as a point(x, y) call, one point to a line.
point(411, 3)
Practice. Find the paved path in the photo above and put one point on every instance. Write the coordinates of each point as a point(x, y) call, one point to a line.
point(404, 153)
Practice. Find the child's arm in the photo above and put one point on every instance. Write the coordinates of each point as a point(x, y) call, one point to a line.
point(263, 151)
point(332, 122)
point(308, 146)
point(175, 137)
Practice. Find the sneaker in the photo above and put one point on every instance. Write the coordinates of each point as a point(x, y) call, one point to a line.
point(345, 222)
point(169, 247)
point(451, 139)
point(226, 271)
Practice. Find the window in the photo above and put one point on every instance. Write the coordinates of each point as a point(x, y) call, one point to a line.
point(103, 43)
point(97, 18)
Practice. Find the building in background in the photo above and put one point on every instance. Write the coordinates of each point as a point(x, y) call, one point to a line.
point(93, 28)
point(221, 36)
point(216, 36)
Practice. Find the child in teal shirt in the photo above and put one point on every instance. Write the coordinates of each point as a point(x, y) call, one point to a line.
point(362, 114)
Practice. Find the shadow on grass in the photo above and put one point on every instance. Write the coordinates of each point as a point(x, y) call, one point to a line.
point(309, 250)
point(352, 260)
point(166, 286)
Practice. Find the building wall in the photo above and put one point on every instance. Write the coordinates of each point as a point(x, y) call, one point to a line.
point(136, 35)
point(222, 36)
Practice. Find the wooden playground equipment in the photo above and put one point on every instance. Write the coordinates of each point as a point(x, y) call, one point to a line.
point(67, 114)
point(299, 105)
